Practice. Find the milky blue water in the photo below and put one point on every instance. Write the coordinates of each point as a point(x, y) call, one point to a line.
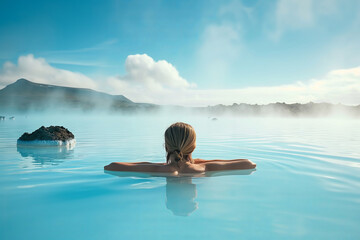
point(306, 185)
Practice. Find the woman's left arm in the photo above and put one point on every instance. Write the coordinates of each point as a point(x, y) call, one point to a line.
point(237, 164)
point(198, 160)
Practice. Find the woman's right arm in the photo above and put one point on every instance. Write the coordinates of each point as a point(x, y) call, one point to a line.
point(136, 167)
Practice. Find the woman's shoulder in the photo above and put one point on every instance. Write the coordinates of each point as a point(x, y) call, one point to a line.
point(193, 168)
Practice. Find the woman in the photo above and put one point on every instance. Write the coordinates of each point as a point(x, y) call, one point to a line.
point(180, 142)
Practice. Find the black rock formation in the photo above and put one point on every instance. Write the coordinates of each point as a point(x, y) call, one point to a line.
point(55, 133)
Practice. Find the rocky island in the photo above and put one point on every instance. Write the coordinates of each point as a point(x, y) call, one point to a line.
point(48, 136)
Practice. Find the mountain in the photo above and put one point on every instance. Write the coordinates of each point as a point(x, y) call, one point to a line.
point(24, 95)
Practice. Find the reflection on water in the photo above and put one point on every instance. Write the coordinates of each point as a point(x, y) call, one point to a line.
point(180, 195)
point(229, 173)
point(180, 190)
point(41, 156)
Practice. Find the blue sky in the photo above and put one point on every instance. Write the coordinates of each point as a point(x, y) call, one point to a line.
point(209, 47)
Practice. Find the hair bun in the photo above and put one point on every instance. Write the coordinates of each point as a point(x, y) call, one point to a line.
point(178, 156)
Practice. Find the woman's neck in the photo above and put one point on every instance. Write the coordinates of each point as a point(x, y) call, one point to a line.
point(188, 160)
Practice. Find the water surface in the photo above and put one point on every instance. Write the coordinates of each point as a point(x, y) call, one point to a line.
point(306, 185)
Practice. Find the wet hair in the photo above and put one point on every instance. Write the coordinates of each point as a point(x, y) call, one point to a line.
point(180, 140)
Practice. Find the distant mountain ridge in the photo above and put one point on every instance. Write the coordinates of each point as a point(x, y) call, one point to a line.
point(284, 109)
point(24, 95)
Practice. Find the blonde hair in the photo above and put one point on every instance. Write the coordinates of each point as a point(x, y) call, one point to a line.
point(180, 139)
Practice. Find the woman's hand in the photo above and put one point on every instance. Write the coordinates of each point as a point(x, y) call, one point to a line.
point(110, 167)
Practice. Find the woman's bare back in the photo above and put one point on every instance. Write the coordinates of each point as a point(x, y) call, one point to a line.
point(199, 166)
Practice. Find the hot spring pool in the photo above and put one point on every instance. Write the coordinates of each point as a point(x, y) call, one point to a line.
point(306, 185)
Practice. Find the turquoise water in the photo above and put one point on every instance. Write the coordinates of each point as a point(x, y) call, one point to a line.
point(306, 185)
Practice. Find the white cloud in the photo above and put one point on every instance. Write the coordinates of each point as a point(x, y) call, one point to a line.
point(147, 80)
point(220, 48)
point(221, 43)
point(294, 13)
point(38, 70)
point(298, 14)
